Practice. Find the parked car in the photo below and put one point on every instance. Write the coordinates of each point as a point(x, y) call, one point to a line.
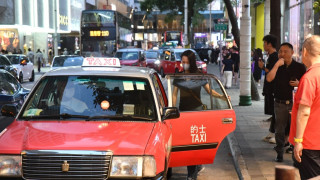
point(11, 91)
point(153, 59)
point(7, 65)
point(23, 65)
point(170, 61)
point(131, 57)
point(66, 60)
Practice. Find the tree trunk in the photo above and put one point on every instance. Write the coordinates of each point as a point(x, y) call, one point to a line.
point(275, 15)
point(190, 15)
point(233, 19)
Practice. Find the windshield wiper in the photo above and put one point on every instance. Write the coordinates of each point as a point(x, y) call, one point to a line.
point(120, 117)
point(67, 116)
point(59, 116)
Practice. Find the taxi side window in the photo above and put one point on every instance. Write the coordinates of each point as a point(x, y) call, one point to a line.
point(4, 61)
point(8, 84)
point(173, 58)
point(119, 55)
point(161, 100)
point(167, 55)
point(192, 93)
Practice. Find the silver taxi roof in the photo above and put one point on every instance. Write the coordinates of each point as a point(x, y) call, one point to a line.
point(126, 71)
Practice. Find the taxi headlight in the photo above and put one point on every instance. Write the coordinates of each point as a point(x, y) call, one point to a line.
point(157, 62)
point(133, 166)
point(10, 166)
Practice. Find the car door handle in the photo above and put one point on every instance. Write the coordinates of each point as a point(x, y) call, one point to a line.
point(227, 121)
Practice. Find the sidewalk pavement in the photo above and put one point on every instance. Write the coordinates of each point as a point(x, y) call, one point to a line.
point(253, 158)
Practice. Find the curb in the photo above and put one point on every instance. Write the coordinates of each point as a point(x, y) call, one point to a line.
point(238, 161)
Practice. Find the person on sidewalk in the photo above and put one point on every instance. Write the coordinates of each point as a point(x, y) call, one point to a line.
point(30, 55)
point(39, 58)
point(257, 56)
point(65, 52)
point(227, 70)
point(236, 62)
point(304, 133)
point(286, 74)
point(269, 45)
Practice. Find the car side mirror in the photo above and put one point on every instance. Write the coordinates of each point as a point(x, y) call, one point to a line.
point(9, 110)
point(170, 113)
point(23, 62)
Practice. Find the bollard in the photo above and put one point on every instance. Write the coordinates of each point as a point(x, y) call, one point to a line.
point(284, 172)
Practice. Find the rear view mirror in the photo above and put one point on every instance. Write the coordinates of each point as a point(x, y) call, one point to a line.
point(170, 113)
point(9, 110)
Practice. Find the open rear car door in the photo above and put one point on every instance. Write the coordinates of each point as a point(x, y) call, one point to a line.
point(206, 118)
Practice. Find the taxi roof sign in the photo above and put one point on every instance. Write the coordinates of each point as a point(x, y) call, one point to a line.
point(101, 62)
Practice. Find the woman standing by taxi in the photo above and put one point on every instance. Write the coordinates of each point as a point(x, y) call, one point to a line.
point(190, 98)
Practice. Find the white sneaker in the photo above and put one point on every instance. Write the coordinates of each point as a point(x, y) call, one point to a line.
point(268, 137)
point(272, 140)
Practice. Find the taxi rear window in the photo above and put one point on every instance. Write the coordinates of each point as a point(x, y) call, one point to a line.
point(127, 55)
point(91, 98)
point(67, 61)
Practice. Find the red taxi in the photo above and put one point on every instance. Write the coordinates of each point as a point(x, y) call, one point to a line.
point(131, 57)
point(170, 61)
point(112, 123)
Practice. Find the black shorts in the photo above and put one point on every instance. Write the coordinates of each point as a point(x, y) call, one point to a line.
point(310, 164)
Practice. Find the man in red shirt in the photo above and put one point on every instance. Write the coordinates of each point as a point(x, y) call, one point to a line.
point(304, 131)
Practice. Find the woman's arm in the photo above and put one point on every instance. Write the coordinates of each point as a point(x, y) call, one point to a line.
point(213, 92)
point(222, 68)
point(174, 96)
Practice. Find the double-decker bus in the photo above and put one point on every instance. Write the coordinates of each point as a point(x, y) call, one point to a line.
point(103, 32)
point(174, 37)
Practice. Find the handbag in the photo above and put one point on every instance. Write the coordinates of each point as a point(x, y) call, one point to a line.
point(204, 106)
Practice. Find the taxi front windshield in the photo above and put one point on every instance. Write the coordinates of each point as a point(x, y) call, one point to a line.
point(151, 55)
point(91, 98)
point(127, 55)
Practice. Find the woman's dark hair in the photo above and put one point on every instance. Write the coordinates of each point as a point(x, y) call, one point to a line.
point(257, 54)
point(192, 61)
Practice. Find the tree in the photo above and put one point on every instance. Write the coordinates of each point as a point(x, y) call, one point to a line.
point(194, 17)
point(316, 6)
point(177, 6)
point(233, 19)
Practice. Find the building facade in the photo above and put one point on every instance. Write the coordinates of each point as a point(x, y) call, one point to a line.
point(31, 23)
